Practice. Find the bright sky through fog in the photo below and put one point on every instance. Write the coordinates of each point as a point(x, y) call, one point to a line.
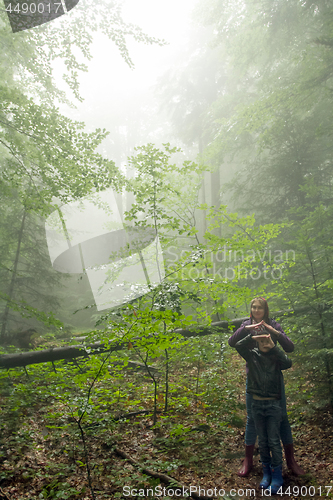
point(161, 19)
point(109, 80)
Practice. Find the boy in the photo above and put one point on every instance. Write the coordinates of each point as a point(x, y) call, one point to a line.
point(265, 363)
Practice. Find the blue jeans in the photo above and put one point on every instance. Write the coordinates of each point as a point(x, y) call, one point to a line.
point(250, 431)
point(267, 419)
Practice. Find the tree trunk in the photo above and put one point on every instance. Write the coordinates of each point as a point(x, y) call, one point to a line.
point(12, 282)
point(75, 351)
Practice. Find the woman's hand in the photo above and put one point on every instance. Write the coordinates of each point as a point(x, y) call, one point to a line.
point(255, 326)
point(270, 328)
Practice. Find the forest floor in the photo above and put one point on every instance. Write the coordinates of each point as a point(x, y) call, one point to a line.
point(41, 461)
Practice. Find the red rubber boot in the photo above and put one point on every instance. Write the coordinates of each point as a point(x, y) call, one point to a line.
point(248, 462)
point(290, 459)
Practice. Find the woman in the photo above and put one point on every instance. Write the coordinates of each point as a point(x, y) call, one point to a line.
point(259, 320)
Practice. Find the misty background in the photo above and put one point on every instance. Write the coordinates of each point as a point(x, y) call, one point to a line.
point(161, 164)
point(243, 88)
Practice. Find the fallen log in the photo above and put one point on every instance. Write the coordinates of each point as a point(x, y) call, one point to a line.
point(75, 351)
point(58, 353)
point(121, 417)
point(176, 485)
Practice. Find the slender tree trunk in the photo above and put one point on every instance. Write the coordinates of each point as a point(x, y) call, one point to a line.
point(322, 328)
point(207, 273)
point(166, 380)
point(13, 280)
point(198, 378)
point(155, 382)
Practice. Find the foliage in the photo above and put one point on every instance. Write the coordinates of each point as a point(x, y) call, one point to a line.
point(270, 124)
point(29, 57)
point(196, 271)
point(73, 415)
point(47, 159)
point(149, 324)
point(198, 440)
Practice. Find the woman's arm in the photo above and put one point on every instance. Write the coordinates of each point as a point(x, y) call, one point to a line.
point(239, 334)
point(279, 335)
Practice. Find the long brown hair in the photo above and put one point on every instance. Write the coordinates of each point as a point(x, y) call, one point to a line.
point(263, 302)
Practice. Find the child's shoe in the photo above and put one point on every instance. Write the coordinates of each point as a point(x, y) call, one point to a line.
point(277, 480)
point(266, 480)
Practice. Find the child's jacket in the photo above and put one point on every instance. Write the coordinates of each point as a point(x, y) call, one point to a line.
point(264, 377)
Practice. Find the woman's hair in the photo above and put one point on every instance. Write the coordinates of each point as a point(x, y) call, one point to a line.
point(263, 302)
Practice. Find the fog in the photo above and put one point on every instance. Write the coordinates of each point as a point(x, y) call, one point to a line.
point(122, 100)
point(145, 207)
point(244, 93)
point(113, 93)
